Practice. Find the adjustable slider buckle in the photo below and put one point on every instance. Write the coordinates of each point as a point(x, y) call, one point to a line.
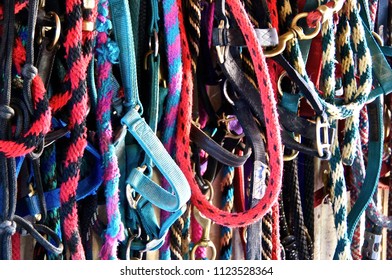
point(322, 139)
point(33, 203)
point(133, 198)
point(220, 50)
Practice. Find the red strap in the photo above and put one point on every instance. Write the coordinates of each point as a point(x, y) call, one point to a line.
point(274, 144)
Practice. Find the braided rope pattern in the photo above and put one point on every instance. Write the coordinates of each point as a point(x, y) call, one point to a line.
point(273, 137)
point(266, 236)
point(78, 59)
point(192, 24)
point(276, 246)
point(184, 118)
point(227, 202)
point(107, 54)
point(176, 239)
point(353, 93)
point(337, 180)
point(174, 62)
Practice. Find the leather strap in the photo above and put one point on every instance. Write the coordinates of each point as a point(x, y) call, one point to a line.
point(201, 139)
point(289, 122)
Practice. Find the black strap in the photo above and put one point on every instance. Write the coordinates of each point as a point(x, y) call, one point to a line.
point(290, 122)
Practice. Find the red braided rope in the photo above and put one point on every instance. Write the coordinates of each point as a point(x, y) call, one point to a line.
point(275, 232)
point(273, 136)
point(78, 58)
point(184, 118)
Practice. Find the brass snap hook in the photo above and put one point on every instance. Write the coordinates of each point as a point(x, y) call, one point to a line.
point(205, 223)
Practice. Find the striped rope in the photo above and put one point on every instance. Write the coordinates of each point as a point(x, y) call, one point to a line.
point(227, 202)
point(107, 54)
point(184, 117)
point(353, 93)
point(186, 233)
point(174, 65)
point(337, 180)
point(176, 239)
point(77, 59)
point(192, 24)
point(266, 236)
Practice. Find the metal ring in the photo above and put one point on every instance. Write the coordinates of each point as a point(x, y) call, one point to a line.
point(58, 30)
point(208, 244)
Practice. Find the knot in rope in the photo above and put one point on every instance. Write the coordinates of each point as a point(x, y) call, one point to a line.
point(29, 71)
point(8, 227)
point(108, 52)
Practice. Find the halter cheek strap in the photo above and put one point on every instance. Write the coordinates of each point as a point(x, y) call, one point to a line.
point(175, 198)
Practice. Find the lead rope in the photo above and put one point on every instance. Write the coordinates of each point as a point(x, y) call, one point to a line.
point(174, 80)
point(292, 184)
point(273, 136)
point(190, 12)
point(336, 168)
point(78, 59)
point(273, 68)
point(184, 118)
point(107, 54)
point(227, 202)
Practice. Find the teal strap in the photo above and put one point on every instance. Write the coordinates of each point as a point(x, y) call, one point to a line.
point(153, 64)
point(147, 139)
point(365, 14)
point(122, 27)
point(380, 66)
point(155, 233)
point(387, 50)
point(375, 150)
point(154, 27)
point(383, 74)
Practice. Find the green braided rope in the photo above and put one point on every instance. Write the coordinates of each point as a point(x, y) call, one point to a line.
point(356, 35)
point(337, 180)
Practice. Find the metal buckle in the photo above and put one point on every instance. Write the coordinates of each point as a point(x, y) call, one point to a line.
point(323, 144)
point(133, 198)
